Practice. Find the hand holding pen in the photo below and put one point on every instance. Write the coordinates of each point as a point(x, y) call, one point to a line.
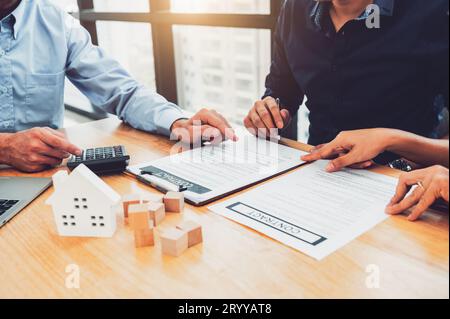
point(266, 116)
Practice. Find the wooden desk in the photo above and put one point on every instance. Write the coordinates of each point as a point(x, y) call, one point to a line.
point(233, 262)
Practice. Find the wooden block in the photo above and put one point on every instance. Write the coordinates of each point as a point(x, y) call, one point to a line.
point(157, 213)
point(174, 202)
point(174, 242)
point(127, 200)
point(194, 231)
point(144, 238)
point(131, 199)
point(139, 217)
point(126, 206)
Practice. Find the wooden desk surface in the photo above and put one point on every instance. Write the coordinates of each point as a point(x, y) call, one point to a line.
point(233, 262)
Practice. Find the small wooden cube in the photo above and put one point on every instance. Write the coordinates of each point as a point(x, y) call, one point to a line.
point(139, 217)
point(174, 202)
point(194, 231)
point(144, 238)
point(127, 200)
point(157, 213)
point(174, 242)
point(132, 199)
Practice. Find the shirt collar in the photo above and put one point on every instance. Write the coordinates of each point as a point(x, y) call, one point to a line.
point(386, 7)
point(19, 16)
point(321, 7)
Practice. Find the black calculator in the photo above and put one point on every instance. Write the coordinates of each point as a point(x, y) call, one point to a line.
point(102, 160)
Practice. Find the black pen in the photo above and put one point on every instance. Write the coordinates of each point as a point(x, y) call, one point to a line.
point(279, 107)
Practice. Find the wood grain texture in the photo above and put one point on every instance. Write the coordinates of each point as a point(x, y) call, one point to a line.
point(233, 261)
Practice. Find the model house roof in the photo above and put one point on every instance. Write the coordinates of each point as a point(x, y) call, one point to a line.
point(62, 180)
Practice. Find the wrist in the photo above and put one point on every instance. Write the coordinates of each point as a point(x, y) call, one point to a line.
point(394, 138)
point(178, 124)
point(5, 142)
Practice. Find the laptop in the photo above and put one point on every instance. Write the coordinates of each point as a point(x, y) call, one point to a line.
point(17, 192)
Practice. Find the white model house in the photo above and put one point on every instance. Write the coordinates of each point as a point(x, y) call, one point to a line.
point(83, 205)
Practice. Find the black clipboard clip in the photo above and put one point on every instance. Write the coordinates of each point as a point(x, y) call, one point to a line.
point(160, 184)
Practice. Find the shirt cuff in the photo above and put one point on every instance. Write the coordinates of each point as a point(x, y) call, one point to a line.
point(166, 120)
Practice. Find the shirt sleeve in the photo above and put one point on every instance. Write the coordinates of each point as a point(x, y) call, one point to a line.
point(280, 83)
point(110, 87)
point(437, 39)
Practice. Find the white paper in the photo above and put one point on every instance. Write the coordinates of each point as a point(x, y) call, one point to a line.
point(227, 167)
point(314, 211)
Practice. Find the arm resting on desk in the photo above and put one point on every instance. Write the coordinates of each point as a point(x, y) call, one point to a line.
point(419, 149)
point(3, 152)
point(35, 150)
point(356, 147)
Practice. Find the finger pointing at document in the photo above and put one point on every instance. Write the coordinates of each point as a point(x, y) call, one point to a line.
point(350, 149)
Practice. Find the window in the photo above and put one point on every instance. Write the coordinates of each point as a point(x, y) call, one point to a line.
point(221, 68)
point(221, 6)
point(228, 76)
point(121, 5)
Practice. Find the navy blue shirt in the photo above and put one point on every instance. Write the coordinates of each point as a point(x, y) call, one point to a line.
point(393, 76)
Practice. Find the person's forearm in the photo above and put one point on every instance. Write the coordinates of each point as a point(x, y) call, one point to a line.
point(418, 149)
point(3, 148)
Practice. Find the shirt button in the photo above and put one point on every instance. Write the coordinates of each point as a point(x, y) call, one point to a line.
point(3, 90)
point(2, 53)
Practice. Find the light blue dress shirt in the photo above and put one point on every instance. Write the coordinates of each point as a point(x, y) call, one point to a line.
point(40, 45)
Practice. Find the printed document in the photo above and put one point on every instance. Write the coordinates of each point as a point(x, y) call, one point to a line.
point(314, 211)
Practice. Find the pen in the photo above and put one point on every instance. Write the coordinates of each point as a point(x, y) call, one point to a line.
point(278, 137)
point(159, 183)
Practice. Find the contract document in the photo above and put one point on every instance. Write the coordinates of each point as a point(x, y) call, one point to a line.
point(314, 211)
point(213, 171)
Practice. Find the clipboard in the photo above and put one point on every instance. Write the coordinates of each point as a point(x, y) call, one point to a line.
point(164, 177)
point(164, 187)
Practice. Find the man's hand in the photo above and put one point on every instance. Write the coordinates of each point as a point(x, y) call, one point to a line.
point(36, 149)
point(266, 116)
point(352, 149)
point(432, 184)
point(205, 126)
